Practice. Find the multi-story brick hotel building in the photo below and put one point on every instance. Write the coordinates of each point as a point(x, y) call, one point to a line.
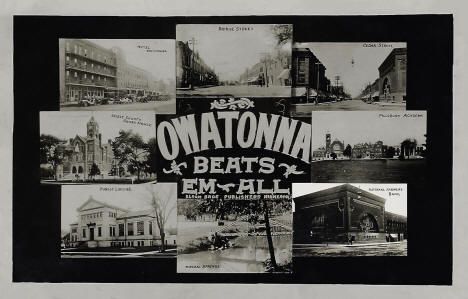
point(87, 69)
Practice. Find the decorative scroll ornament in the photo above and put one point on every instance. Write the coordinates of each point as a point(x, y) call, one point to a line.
point(175, 168)
point(233, 104)
point(226, 187)
point(290, 169)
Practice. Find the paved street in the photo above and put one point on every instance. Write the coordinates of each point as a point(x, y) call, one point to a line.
point(163, 107)
point(351, 105)
point(239, 91)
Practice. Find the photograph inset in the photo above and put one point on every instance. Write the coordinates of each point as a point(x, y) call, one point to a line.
point(97, 147)
point(237, 60)
point(119, 221)
point(348, 76)
point(117, 74)
point(369, 146)
point(350, 220)
point(234, 236)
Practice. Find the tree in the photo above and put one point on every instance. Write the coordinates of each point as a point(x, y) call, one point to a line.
point(252, 208)
point(333, 155)
point(348, 151)
point(390, 152)
point(150, 163)
point(94, 170)
point(130, 150)
point(283, 33)
point(163, 200)
point(50, 152)
point(407, 146)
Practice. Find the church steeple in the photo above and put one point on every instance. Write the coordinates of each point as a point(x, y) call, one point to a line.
point(92, 128)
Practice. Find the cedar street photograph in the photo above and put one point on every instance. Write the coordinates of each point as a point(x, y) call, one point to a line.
point(369, 146)
point(236, 60)
point(96, 147)
point(348, 76)
point(121, 221)
point(350, 220)
point(117, 74)
point(234, 236)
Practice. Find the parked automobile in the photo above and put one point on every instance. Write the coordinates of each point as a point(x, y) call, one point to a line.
point(141, 99)
point(164, 97)
point(125, 100)
point(87, 101)
point(107, 100)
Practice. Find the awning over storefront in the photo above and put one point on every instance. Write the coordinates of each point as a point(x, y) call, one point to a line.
point(253, 79)
point(375, 94)
point(285, 74)
point(395, 236)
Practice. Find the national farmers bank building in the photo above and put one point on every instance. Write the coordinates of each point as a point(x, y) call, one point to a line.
point(344, 213)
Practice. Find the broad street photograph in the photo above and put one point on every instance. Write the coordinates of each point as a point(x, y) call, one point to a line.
point(348, 76)
point(117, 75)
point(238, 60)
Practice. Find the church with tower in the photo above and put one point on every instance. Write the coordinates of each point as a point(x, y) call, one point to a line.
point(335, 147)
point(82, 152)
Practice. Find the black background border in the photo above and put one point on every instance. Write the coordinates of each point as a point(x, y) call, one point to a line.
point(36, 208)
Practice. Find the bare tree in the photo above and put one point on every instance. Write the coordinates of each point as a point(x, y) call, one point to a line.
point(163, 201)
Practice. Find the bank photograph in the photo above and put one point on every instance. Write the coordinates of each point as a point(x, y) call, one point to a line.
point(348, 76)
point(338, 220)
point(119, 221)
point(369, 146)
point(117, 74)
point(237, 60)
point(95, 147)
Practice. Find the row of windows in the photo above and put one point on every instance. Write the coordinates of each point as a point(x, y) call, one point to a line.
point(140, 228)
point(85, 76)
point(83, 51)
point(84, 64)
point(97, 215)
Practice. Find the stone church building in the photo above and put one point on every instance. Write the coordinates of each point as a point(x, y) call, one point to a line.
point(81, 152)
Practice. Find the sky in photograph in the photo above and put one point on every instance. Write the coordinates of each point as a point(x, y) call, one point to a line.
point(137, 199)
point(229, 53)
point(394, 203)
point(68, 124)
point(337, 58)
point(354, 127)
point(161, 64)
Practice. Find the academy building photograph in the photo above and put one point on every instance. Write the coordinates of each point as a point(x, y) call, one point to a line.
point(350, 219)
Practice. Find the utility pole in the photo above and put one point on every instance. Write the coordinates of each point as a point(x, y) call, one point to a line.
point(266, 67)
point(318, 81)
point(192, 41)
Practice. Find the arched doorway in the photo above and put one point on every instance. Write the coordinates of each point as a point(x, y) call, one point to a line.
point(80, 169)
point(368, 223)
point(74, 169)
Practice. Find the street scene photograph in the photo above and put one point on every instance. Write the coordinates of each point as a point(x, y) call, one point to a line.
point(234, 236)
point(119, 221)
point(234, 60)
point(117, 75)
point(344, 220)
point(348, 76)
point(369, 146)
point(97, 147)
